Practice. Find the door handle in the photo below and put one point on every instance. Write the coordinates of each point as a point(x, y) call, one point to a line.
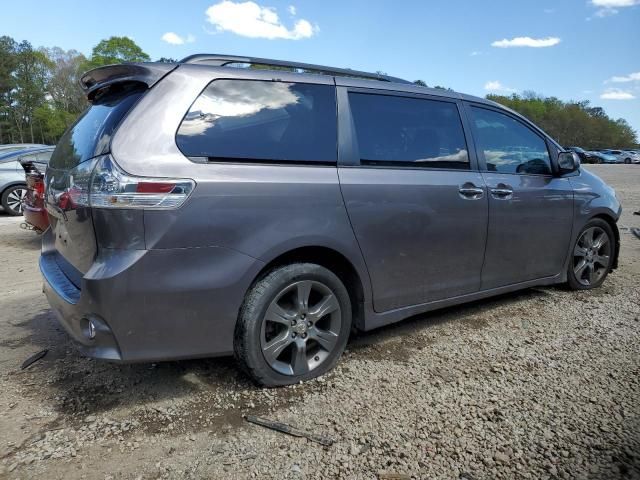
point(502, 191)
point(470, 192)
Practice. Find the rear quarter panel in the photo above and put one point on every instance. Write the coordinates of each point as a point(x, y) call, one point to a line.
point(261, 211)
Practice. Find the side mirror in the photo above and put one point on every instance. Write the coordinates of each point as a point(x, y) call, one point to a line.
point(568, 162)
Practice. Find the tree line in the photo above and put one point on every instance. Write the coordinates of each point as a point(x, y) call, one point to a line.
point(39, 91)
point(40, 97)
point(572, 124)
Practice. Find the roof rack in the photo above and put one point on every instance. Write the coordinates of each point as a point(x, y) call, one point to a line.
point(223, 60)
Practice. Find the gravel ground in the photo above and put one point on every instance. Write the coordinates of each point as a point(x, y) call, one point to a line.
point(543, 383)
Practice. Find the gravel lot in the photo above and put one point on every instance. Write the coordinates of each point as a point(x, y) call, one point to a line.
point(543, 383)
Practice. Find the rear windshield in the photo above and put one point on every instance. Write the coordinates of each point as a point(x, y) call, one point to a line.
point(91, 134)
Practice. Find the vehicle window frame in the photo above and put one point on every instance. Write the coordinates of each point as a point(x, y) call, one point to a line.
point(257, 161)
point(348, 150)
point(482, 162)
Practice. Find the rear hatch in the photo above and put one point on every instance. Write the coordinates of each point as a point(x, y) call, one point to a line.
point(112, 91)
point(72, 224)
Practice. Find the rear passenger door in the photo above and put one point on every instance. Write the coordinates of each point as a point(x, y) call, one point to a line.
point(416, 202)
point(530, 208)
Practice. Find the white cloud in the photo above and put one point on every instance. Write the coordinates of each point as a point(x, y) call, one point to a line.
point(292, 10)
point(475, 53)
point(632, 77)
point(615, 94)
point(605, 12)
point(175, 39)
point(249, 19)
point(606, 8)
point(526, 42)
point(496, 86)
point(615, 3)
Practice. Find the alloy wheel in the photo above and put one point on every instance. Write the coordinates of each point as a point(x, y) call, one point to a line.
point(300, 328)
point(591, 256)
point(15, 199)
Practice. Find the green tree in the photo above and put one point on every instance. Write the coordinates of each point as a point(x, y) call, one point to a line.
point(31, 76)
point(572, 123)
point(64, 87)
point(115, 50)
point(422, 83)
point(8, 62)
point(51, 122)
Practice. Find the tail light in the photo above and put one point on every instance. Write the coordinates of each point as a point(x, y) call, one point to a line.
point(103, 184)
point(38, 189)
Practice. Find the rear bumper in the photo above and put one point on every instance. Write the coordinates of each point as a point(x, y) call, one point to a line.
point(37, 217)
point(151, 305)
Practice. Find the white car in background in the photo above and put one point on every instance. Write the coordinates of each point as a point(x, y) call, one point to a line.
point(622, 156)
point(634, 156)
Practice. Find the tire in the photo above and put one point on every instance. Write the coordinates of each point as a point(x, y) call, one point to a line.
point(591, 256)
point(280, 340)
point(627, 161)
point(12, 199)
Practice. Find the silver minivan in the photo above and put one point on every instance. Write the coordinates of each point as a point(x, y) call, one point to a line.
point(229, 205)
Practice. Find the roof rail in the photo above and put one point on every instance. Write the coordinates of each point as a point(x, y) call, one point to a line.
point(222, 60)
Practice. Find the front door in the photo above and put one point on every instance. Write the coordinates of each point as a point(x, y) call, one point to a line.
point(530, 209)
point(417, 205)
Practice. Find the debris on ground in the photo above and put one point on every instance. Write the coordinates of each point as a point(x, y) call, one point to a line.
point(636, 232)
point(34, 358)
point(288, 429)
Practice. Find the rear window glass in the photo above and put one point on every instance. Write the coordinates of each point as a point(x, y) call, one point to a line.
point(91, 133)
point(408, 132)
point(249, 120)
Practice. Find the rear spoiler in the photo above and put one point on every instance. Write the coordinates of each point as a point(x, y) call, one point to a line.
point(101, 77)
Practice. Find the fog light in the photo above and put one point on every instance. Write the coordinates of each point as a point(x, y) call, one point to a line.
point(91, 334)
point(89, 328)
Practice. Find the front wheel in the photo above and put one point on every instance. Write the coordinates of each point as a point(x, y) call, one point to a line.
point(627, 160)
point(593, 254)
point(293, 326)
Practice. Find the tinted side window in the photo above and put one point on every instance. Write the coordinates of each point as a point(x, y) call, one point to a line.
point(261, 121)
point(508, 145)
point(403, 131)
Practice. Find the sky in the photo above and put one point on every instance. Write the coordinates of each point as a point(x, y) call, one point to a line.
point(570, 49)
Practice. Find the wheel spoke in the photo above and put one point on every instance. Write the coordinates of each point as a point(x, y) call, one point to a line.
point(326, 306)
point(304, 290)
point(579, 251)
point(587, 237)
point(602, 260)
point(274, 348)
point(600, 241)
point(579, 268)
point(325, 338)
point(277, 314)
point(590, 272)
point(299, 363)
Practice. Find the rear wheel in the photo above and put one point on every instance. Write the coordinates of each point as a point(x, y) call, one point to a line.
point(12, 199)
point(627, 160)
point(592, 256)
point(293, 326)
